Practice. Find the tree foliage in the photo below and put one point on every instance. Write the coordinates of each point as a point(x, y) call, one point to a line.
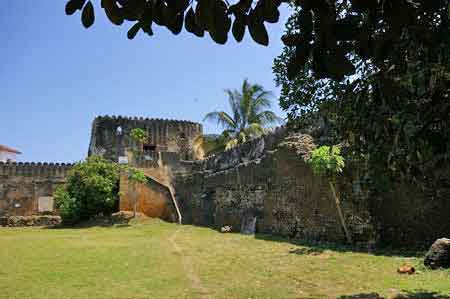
point(394, 112)
point(198, 17)
point(139, 135)
point(92, 189)
point(136, 176)
point(330, 30)
point(249, 117)
point(327, 161)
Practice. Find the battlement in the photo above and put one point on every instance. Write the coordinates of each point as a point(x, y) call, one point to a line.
point(110, 135)
point(148, 120)
point(33, 169)
point(251, 150)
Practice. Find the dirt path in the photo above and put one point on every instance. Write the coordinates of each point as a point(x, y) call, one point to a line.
point(188, 267)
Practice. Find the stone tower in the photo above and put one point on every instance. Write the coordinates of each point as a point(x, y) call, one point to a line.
point(111, 139)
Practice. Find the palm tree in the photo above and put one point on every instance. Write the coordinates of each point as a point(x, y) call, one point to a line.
point(249, 118)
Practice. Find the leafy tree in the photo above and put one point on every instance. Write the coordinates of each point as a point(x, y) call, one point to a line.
point(327, 162)
point(329, 29)
point(92, 189)
point(395, 112)
point(248, 118)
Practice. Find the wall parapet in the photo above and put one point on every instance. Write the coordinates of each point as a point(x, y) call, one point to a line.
point(144, 119)
point(35, 169)
point(251, 150)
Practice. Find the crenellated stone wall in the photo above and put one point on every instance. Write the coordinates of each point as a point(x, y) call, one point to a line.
point(27, 188)
point(110, 136)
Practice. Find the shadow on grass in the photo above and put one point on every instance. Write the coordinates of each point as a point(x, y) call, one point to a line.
point(420, 294)
point(315, 248)
point(104, 222)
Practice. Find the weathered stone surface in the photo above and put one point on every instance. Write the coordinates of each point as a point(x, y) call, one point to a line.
point(152, 199)
point(38, 220)
point(261, 186)
point(302, 144)
point(121, 217)
point(22, 185)
point(110, 136)
point(438, 256)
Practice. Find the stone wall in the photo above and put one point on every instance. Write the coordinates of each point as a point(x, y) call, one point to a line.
point(414, 214)
point(27, 188)
point(152, 199)
point(271, 183)
point(110, 136)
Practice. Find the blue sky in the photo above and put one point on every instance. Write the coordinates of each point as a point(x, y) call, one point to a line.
point(55, 76)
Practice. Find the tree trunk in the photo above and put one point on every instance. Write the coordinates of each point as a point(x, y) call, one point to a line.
point(339, 210)
point(134, 200)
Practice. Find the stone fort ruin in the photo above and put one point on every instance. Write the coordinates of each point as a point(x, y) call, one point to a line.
point(263, 185)
point(110, 136)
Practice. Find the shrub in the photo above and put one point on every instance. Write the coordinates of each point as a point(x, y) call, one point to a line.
point(68, 208)
point(92, 189)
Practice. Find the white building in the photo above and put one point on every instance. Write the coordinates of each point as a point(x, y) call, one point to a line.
point(8, 153)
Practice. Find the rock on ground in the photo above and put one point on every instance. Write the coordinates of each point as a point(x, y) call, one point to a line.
point(225, 229)
point(439, 254)
point(123, 217)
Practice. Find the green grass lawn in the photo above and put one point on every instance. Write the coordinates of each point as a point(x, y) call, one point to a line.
point(162, 260)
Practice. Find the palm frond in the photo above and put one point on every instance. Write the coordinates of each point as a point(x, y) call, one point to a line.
point(263, 100)
point(207, 145)
point(231, 143)
point(245, 104)
point(249, 114)
point(242, 137)
point(267, 117)
point(234, 99)
point(254, 130)
point(222, 118)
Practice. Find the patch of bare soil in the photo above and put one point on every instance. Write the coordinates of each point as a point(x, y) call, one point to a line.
point(188, 267)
